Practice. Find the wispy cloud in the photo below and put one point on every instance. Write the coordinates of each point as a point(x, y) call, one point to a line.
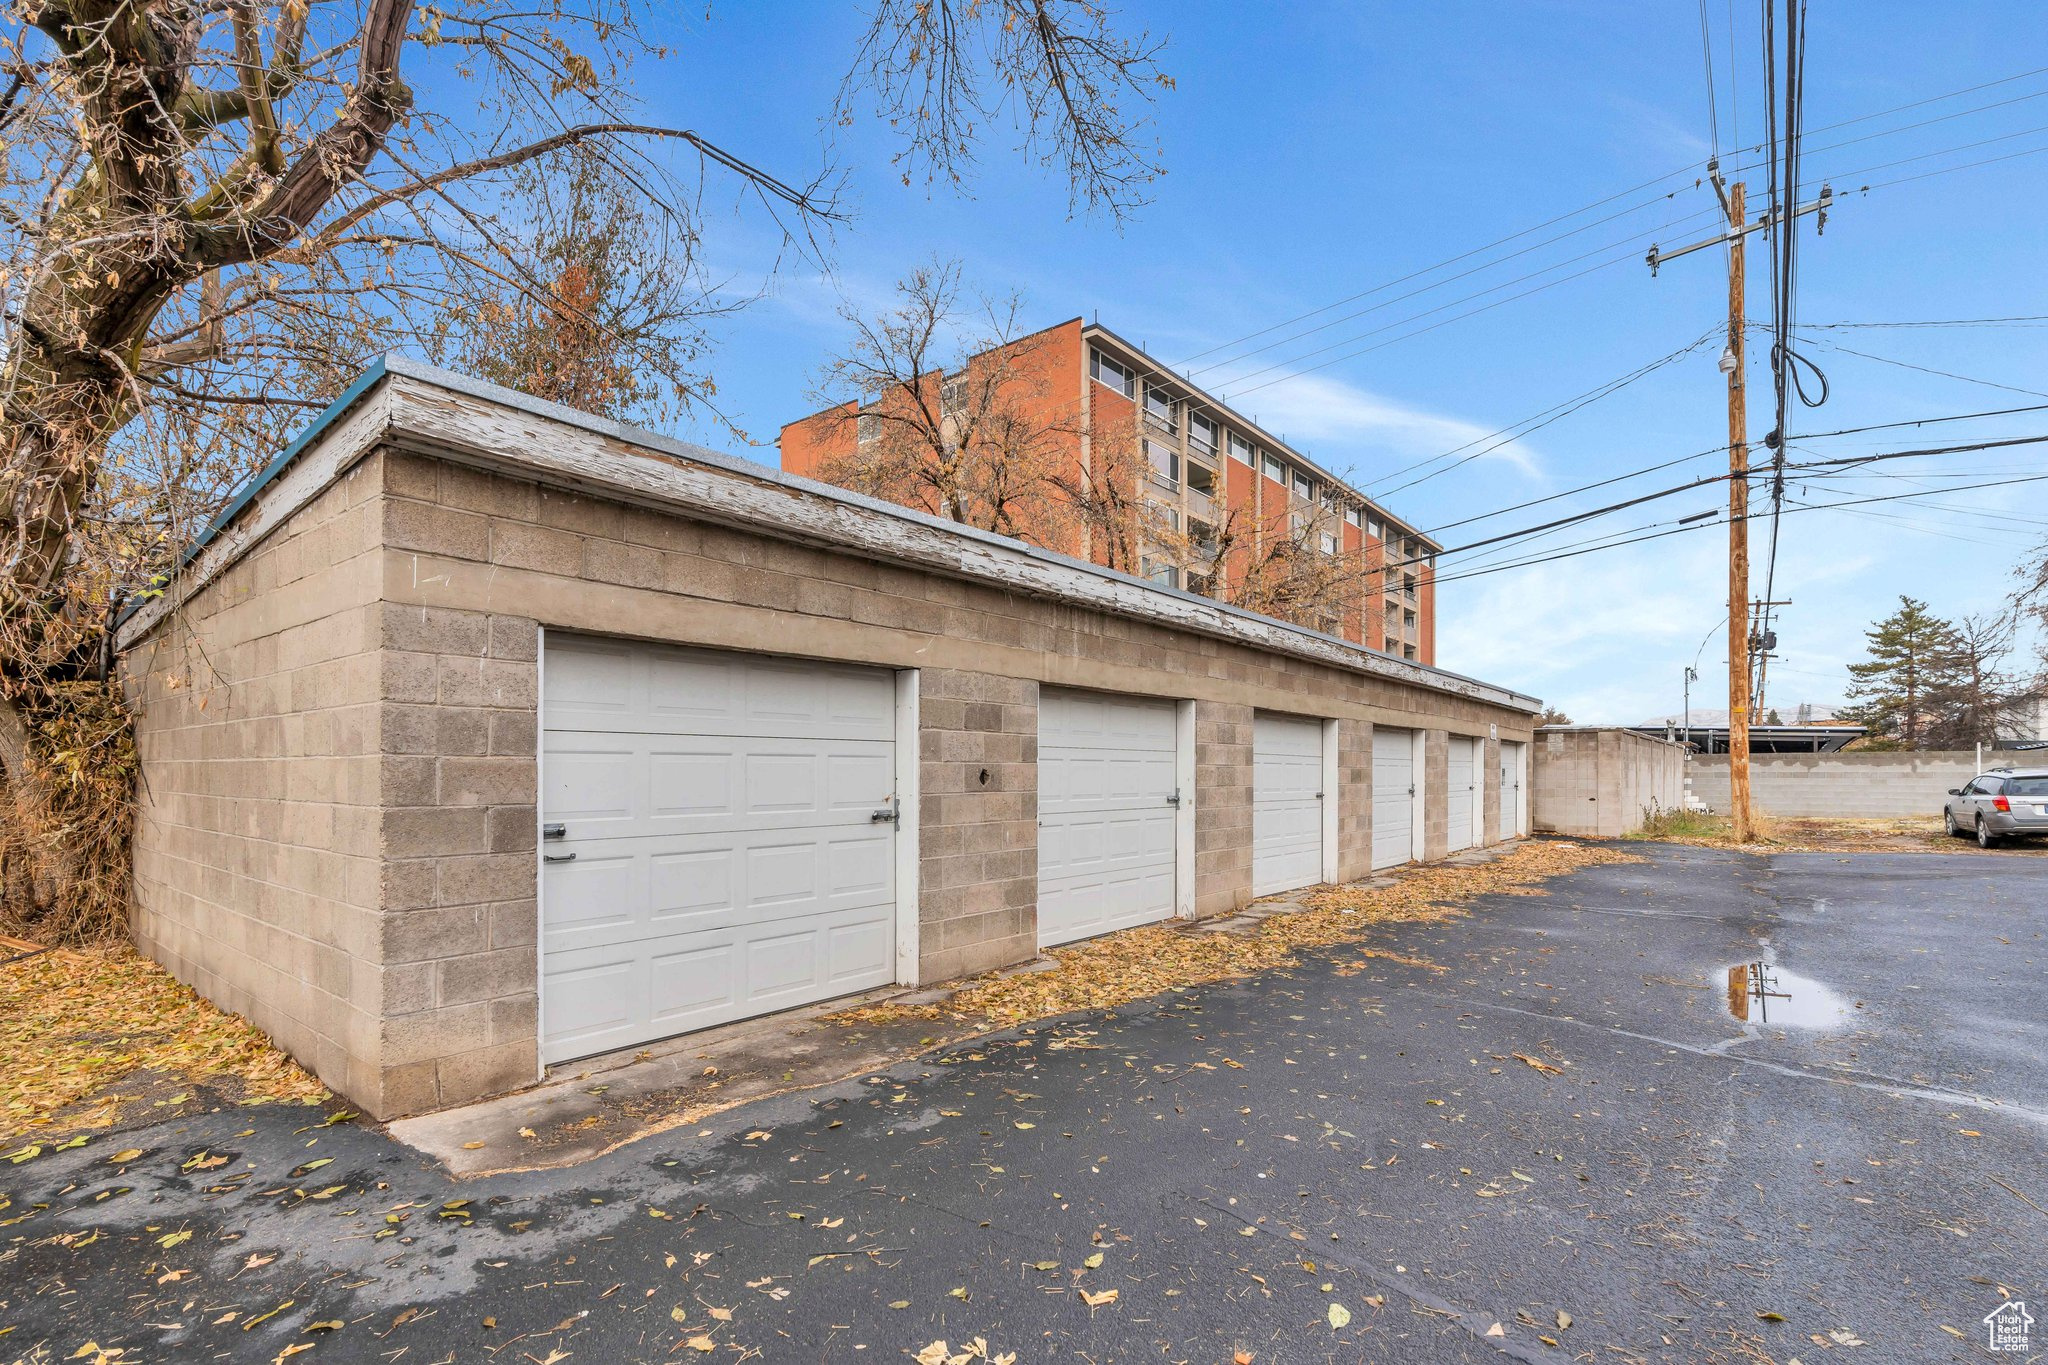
point(1342, 425)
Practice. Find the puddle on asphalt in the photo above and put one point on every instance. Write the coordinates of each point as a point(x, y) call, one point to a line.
point(1763, 993)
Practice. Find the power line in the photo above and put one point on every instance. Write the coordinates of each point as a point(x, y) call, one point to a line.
point(1846, 462)
point(1627, 242)
point(1651, 183)
point(1934, 322)
point(1518, 430)
point(1924, 369)
point(1701, 525)
point(1707, 52)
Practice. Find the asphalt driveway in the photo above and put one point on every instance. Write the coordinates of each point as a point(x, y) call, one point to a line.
point(1552, 1126)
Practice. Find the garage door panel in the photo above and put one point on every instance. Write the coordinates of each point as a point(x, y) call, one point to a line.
point(1460, 781)
point(1287, 812)
point(619, 686)
point(725, 864)
point(1393, 800)
point(1106, 837)
point(617, 785)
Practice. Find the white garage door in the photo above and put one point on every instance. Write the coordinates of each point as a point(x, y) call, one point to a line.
point(717, 854)
point(1105, 813)
point(1287, 810)
point(1393, 797)
point(1510, 790)
point(1460, 790)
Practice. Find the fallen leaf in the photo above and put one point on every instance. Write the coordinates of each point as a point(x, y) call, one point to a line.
point(528, 1133)
point(471, 1146)
point(171, 1239)
point(1340, 1316)
point(1564, 1321)
point(123, 1157)
point(1094, 1262)
point(1496, 1331)
point(1097, 1300)
point(701, 1344)
point(1545, 1067)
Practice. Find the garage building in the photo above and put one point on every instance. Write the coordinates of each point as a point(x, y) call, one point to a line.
point(481, 735)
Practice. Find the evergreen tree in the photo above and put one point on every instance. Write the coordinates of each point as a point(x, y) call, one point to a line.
point(1908, 678)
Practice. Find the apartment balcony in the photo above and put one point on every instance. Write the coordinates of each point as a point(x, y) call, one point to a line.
point(1201, 506)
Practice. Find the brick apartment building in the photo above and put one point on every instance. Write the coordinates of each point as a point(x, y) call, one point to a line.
point(1209, 491)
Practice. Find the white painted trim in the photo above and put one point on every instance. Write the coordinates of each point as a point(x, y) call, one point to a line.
point(909, 812)
point(1418, 805)
point(1332, 794)
point(1522, 803)
point(1478, 793)
point(540, 847)
point(1184, 814)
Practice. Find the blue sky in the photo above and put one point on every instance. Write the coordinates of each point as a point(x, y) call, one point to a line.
point(1316, 152)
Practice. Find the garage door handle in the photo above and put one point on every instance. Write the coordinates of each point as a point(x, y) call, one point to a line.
point(558, 857)
point(884, 817)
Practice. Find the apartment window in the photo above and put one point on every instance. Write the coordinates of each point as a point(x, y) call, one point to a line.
point(1166, 515)
point(1160, 409)
point(1351, 515)
point(1202, 584)
point(1408, 651)
point(1202, 536)
point(1304, 485)
point(1329, 543)
point(1202, 479)
point(1241, 450)
point(953, 394)
point(1274, 470)
point(1202, 434)
point(1374, 529)
point(1117, 376)
point(1408, 620)
point(1163, 574)
point(1165, 462)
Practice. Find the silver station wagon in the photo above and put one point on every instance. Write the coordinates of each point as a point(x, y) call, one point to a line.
point(2002, 802)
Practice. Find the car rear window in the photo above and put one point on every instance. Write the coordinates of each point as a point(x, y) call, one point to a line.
point(2026, 786)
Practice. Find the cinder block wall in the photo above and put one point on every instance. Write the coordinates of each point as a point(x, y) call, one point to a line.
point(1602, 782)
point(1436, 794)
point(1354, 799)
point(258, 840)
point(1880, 785)
point(1223, 808)
point(340, 842)
point(978, 840)
point(1489, 796)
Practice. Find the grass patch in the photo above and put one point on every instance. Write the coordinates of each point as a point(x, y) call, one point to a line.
point(1683, 826)
point(1132, 964)
point(75, 1025)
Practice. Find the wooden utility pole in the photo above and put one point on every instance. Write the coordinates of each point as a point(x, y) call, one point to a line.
point(1741, 819)
point(1741, 813)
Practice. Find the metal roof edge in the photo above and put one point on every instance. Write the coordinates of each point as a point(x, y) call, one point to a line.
point(399, 366)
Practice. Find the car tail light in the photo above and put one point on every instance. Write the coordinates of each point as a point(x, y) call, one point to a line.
point(2002, 804)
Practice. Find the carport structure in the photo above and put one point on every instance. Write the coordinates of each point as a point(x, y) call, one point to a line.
point(480, 734)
